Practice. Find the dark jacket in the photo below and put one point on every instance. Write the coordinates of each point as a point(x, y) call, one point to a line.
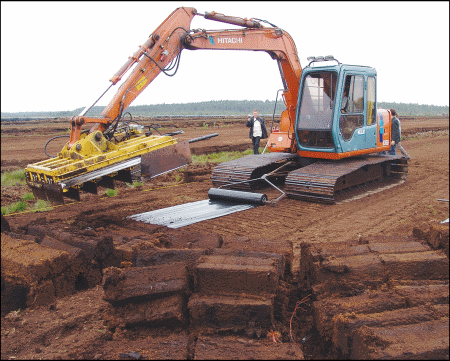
point(395, 129)
point(249, 124)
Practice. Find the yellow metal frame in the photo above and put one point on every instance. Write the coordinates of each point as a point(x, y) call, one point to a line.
point(93, 152)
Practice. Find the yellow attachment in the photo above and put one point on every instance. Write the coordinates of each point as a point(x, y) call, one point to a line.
point(91, 153)
point(89, 146)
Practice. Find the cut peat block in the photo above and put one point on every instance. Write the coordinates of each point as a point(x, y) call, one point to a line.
point(215, 347)
point(338, 319)
point(346, 325)
point(397, 247)
point(14, 294)
point(141, 283)
point(335, 267)
point(212, 314)
point(417, 265)
point(159, 256)
point(167, 310)
point(346, 274)
point(279, 259)
point(235, 275)
point(370, 302)
point(147, 249)
point(98, 248)
point(146, 295)
point(439, 237)
point(46, 270)
point(29, 261)
point(83, 272)
point(333, 263)
point(29, 268)
point(419, 341)
point(280, 247)
point(416, 295)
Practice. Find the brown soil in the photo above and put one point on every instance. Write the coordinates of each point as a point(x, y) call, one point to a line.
point(73, 326)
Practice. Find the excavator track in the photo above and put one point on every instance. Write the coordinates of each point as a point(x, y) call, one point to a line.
point(237, 173)
point(332, 181)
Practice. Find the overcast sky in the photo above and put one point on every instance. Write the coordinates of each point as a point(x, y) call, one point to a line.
point(58, 56)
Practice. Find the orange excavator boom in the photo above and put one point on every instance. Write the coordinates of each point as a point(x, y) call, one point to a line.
point(112, 148)
point(161, 53)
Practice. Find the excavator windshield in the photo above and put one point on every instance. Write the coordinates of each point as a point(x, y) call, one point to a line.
point(318, 98)
point(315, 116)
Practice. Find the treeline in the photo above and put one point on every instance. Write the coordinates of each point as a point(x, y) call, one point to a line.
point(415, 109)
point(222, 107)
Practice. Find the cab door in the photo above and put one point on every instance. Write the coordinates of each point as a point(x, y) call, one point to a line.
point(357, 130)
point(371, 113)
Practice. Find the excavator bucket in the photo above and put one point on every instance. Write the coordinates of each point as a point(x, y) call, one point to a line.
point(96, 162)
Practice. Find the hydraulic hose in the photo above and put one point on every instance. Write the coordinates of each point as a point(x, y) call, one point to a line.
point(45, 146)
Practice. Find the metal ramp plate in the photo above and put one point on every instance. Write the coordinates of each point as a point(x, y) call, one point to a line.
point(165, 159)
point(190, 213)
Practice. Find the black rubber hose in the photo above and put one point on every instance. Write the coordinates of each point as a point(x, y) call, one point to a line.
point(45, 146)
point(217, 194)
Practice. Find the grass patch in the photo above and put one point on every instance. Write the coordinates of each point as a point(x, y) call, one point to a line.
point(41, 205)
point(21, 206)
point(220, 157)
point(10, 179)
point(135, 184)
point(111, 192)
point(14, 208)
point(28, 196)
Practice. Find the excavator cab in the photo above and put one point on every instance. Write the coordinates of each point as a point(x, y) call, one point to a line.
point(336, 112)
point(341, 136)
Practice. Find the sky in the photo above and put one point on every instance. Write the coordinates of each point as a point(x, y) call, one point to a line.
point(58, 56)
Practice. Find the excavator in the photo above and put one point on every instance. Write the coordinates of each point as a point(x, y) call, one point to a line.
point(331, 140)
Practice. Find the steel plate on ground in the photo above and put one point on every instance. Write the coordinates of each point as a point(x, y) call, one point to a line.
point(190, 213)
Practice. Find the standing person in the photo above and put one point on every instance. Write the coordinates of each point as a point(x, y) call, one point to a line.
point(396, 130)
point(257, 131)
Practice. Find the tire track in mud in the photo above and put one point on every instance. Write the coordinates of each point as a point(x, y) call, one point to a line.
point(263, 220)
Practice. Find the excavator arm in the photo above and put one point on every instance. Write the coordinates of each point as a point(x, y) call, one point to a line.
point(95, 158)
point(162, 50)
point(152, 58)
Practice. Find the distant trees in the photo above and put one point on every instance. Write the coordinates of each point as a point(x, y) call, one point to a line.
point(414, 108)
point(222, 107)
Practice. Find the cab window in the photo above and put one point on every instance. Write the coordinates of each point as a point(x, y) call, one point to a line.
point(316, 108)
point(352, 106)
point(315, 117)
point(371, 109)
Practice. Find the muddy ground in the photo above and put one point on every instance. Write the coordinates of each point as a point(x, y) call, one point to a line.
point(74, 326)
